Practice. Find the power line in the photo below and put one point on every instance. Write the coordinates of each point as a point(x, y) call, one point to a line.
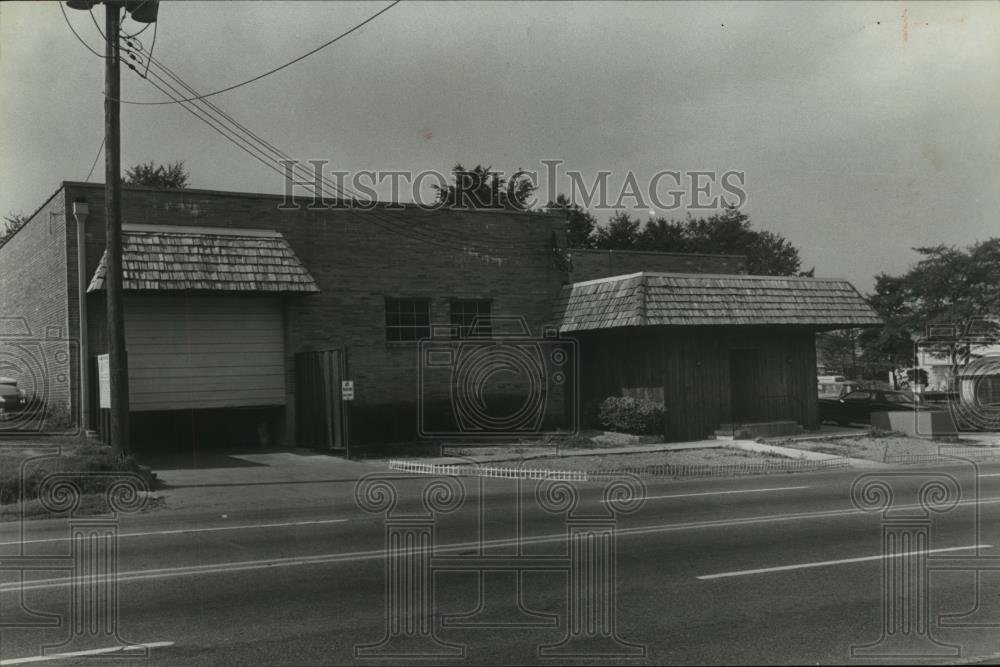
point(225, 125)
point(136, 34)
point(389, 225)
point(75, 33)
point(276, 69)
point(156, 29)
point(96, 24)
point(100, 150)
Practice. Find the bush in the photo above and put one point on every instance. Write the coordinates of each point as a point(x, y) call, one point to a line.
point(638, 416)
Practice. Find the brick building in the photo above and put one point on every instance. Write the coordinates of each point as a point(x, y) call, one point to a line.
point(244, 316)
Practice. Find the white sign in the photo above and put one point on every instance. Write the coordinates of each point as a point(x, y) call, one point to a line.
point(104, 380)
point(347, 390)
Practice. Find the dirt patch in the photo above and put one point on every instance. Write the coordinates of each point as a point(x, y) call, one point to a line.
point(69, 473)
point(720, 456)
point(555, 444)
point(884, 448)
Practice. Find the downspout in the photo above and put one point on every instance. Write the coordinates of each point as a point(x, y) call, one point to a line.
point(80, 212)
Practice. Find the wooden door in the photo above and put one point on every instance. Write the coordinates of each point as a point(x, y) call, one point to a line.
point(744, 385)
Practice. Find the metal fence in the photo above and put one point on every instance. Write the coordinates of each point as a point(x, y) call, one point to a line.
point(501, 472)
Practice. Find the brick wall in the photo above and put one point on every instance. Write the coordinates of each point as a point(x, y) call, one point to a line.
point(35, 326)
point(592, 264)
point(358, 259)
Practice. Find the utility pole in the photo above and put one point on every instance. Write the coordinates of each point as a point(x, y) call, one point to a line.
point(143, 11)
point(117, 358)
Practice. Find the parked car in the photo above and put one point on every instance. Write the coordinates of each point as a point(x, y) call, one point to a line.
point(944, 397)
point(12, 399)
point(836, 389)
point(858, 406)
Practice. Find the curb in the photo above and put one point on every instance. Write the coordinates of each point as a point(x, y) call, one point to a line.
point(643, 472)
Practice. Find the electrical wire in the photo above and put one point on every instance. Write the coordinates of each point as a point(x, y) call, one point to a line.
point(136, 34)
point(267, 155)
point(276, 69)
point(389, 225)
point(141, 4)
point(100, 150)
point(272, 152)
point(96, 24)
point(76, 34)
point(156, 29)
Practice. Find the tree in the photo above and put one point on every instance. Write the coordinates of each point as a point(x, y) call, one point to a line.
point(621, 233)
point(480, 187)
point(173, 175)
point(580, 224)
point(947, 286)
point(11, 223)
point(727, 232)
point(838, 350)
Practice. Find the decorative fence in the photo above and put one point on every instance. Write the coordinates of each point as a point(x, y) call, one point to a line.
point(487, 471)
point(643, 472)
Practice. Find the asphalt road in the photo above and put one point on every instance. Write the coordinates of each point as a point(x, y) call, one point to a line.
point(775, 569)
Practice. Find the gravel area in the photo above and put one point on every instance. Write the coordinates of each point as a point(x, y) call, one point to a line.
point(587, 439)
point(688, 457)
point(878, 448)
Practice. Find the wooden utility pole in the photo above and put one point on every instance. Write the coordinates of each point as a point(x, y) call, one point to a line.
point(117, 359)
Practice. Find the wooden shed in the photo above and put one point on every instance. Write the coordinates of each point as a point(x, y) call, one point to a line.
point(715, 349)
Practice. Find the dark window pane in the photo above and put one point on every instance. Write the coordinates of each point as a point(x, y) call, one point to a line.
point(407, 319)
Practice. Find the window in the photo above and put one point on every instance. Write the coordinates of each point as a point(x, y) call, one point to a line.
point(472, 317)
point(898, 397)
point(858, 396)
point(407, 319)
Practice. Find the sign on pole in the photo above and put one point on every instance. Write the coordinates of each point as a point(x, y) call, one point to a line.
point(104, 380)
point(347, 390)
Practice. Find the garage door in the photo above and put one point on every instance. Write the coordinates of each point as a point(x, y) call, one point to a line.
point(204, 352)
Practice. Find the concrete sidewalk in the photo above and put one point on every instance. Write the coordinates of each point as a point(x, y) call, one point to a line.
point(264, 480)
point(562, 452)
point(745, 445)
point(303, 477)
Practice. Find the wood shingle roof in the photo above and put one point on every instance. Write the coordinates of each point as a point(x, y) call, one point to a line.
point(673, 299)
point(201, 259)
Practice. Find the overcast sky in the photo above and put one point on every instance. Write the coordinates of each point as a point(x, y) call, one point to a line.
point(863, 129)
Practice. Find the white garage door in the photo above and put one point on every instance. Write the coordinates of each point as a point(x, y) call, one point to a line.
point(204, 352)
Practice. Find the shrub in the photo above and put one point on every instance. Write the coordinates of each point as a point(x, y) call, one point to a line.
point(639, 416)
point(875, 432)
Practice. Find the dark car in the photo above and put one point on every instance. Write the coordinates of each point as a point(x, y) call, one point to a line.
point(12, 399)
point(858, 406)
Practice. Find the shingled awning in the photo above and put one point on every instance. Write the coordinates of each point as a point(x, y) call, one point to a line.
point(193, 258)
point(673, 299)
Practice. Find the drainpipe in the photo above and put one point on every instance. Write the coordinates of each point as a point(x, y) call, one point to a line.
point(80, 212)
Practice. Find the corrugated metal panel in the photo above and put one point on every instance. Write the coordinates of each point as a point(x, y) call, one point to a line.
point(204, 352)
